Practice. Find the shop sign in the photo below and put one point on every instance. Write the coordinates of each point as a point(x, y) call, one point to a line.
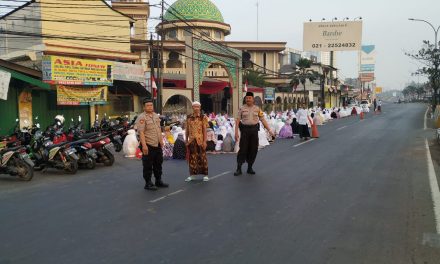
point(71, 95)
point(73, 71)
point(269, 94)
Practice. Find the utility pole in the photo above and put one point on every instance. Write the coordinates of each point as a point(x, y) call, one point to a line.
point(161, 62)
point(258, 20)
point(151, 64)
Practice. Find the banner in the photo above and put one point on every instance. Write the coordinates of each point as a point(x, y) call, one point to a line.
point(70, 95)
point(25, 108)
point(332, 36)
point(310, 96)
point(368, 58)
point(378, 90)
point(5, 78)
point(366, 77)
point(72, 71)
point(269, 94)
point(127, 72)
point(148, 81)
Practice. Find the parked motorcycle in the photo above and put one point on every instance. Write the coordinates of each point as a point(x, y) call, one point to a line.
point(86, 153)
point(48, 155)
point(16, 162)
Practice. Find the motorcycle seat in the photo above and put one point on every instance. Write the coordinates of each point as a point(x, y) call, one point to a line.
point(57, 145)
point(3, 151)
point(93, 140)
point(79, 142)
point(90, 135)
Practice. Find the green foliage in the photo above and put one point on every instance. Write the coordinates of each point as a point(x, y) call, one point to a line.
point(429, 56)
point(255, 78)
point(303, 73)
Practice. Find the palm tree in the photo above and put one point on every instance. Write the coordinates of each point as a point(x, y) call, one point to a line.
point(302, 73)
point(255, 78)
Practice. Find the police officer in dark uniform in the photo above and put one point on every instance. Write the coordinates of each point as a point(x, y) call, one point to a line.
point(248, 120)
point(150, 134)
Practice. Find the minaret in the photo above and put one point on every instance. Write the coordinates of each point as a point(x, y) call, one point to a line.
point(138, 10)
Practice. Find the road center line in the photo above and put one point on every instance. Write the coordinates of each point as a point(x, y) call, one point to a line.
point(435, 192)
point(297, 145)
point(174, 193)
point(220, 175)
point(158, 199)
point(182, 190)
point(341, 128)
point(425, 127)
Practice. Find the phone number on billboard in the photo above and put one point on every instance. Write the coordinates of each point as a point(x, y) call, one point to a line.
point(335, 45)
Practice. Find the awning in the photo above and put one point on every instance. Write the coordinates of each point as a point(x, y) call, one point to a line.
point(208, 86)
point(27, 79)
point(255, 89)
point(128, 88)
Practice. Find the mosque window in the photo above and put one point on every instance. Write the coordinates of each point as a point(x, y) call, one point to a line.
point(172, 34)
point(218, 34)
point(205, 33)
point(187, 32)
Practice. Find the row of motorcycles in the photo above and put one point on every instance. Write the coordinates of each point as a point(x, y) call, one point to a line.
point(31, 148)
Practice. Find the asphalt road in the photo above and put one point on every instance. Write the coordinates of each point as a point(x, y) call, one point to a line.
point(358, 194)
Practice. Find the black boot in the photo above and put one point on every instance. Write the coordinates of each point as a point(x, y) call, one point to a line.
point(161, 184)
point(250, 170)
point(150, 186)
point(238, 172)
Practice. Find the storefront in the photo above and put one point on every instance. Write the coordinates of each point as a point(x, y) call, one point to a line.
point(127, 92)
point(28, 97)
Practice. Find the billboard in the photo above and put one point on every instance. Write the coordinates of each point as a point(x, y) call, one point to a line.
point(332, 36)
point(378, 90)
point(269, 94)
point(127, 72)
point(73, 71)
point(5, 78)
point(366, 77)
point(71, 95)
point(368, 58)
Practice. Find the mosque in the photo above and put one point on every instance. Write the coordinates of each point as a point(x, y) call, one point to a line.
point(203, 19)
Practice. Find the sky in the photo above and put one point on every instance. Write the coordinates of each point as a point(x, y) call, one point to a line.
point(385, 24)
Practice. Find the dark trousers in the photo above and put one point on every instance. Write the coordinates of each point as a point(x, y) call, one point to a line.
point(152, 164)
point(248, 144)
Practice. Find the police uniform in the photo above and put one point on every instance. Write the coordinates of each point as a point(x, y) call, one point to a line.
point(250, 117)
point(152, 162)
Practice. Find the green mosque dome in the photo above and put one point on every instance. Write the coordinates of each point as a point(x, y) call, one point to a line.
point(193, 10)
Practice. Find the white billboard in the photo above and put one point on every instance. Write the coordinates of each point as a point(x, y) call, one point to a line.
point(368, 58)
point(5, 78)
point(332, 36)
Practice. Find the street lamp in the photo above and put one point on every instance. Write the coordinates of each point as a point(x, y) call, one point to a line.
point(435, 30)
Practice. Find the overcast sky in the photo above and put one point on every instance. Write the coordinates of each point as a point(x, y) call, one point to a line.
point(386, 25)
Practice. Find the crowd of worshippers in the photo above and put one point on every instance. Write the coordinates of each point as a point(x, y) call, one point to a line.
point(221, 130)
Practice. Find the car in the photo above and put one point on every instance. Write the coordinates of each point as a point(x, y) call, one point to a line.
point(366, 103)
point(365, 108)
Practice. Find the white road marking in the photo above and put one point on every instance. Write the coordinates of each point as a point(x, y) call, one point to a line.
point(435, 192)
point(341, 128)
point(425, 127)
point(176, 192)
point(220, 175)
point(158, 199)
point(310, 140)
point(182, 190)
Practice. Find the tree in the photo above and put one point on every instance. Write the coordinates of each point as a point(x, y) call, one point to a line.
point(302, 73)
point(255, 78)
point(429, 56)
